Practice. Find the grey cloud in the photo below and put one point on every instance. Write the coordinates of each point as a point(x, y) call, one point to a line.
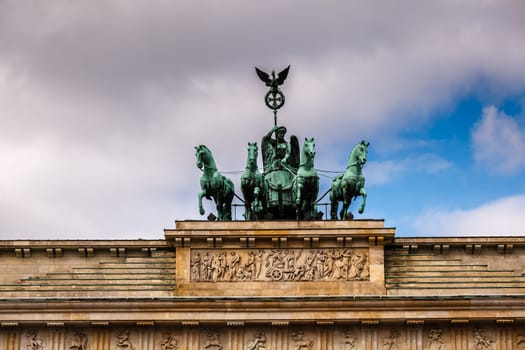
point(127, 89)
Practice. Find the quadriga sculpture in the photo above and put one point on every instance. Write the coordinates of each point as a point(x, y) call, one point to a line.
point(253, 186)
point(306, 182)
point(214, 184)
point(351, 184)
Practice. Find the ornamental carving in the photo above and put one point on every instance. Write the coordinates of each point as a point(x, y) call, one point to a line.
point(34, 341)
point(123, 342)
point(258, 343)
point(520, 340)
point(435, 340)
point(481, 341)
point(213, 342)
point(349, 341)
point(300, 343)
point(392, 342)
point(169, 342)
point(79, 341)
point(280, 265)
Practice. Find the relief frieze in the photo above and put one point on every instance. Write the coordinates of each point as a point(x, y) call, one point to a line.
point(338, 264)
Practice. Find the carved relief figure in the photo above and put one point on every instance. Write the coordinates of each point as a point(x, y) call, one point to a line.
point(481, 341)
point(34, 342)
point(392, 342)
point(123, 342)
point(435, 342)
point(220, 266)
point(258, 343)
point(300, 343)
point(349, 341)
point(79, 341)
point(213, 342)
point(195, 266)
point(233, 266)
point(520, 340)
point(280, 265)
point(169, 342)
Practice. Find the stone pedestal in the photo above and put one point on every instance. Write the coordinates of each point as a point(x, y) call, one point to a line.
point(277, 258)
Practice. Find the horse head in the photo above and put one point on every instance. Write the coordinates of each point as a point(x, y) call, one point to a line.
point(253, 152)
point(309, 148)
point(359, 154)
point(204, 157)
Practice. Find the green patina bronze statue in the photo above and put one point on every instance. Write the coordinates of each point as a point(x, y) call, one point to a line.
point(280, 162)
point(306, 183)
point(253, 186)
point(351, 184)
point(289, 185)
point(214, 184)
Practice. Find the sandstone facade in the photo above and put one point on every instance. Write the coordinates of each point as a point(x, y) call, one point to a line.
point(320, 285)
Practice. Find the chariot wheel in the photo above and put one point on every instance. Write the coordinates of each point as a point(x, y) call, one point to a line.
point(276, 275)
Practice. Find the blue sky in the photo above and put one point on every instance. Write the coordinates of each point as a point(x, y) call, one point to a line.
point(102, 103)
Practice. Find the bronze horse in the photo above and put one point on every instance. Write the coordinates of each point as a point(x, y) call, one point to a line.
point(253, 186)
point(351, 184)
point(214, 184)
point(306, 183)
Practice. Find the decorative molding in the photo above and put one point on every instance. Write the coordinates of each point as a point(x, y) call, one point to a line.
point(415, 322)
point(459, 322)
point(55, 324)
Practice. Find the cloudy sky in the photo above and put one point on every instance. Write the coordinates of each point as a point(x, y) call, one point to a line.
point(102, 103)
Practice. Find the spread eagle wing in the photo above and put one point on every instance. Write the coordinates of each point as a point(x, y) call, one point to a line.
point(281, 77)
point(265, 77)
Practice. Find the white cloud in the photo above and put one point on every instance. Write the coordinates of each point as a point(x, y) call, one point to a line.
point(498, 142)
point(380, 173)
point(501, 217)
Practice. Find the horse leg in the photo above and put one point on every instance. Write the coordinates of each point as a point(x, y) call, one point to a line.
point(227, 201)
point(313, 199)
point(347, 199)
point(227, 212)
point(219, 204)
point(201, 209)
point(299, 200)
point(362, 192)
point(334, 204)
point(344, 209)
point(247, 208)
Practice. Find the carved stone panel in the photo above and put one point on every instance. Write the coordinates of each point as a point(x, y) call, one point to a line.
point(34, 340)
point(122, 341)
point(212, 340)
point(292, 265)
point(436, 339)
point(481, 339)
point(78, 340)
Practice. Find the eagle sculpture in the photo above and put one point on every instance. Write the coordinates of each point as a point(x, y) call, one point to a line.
point(274, 81)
